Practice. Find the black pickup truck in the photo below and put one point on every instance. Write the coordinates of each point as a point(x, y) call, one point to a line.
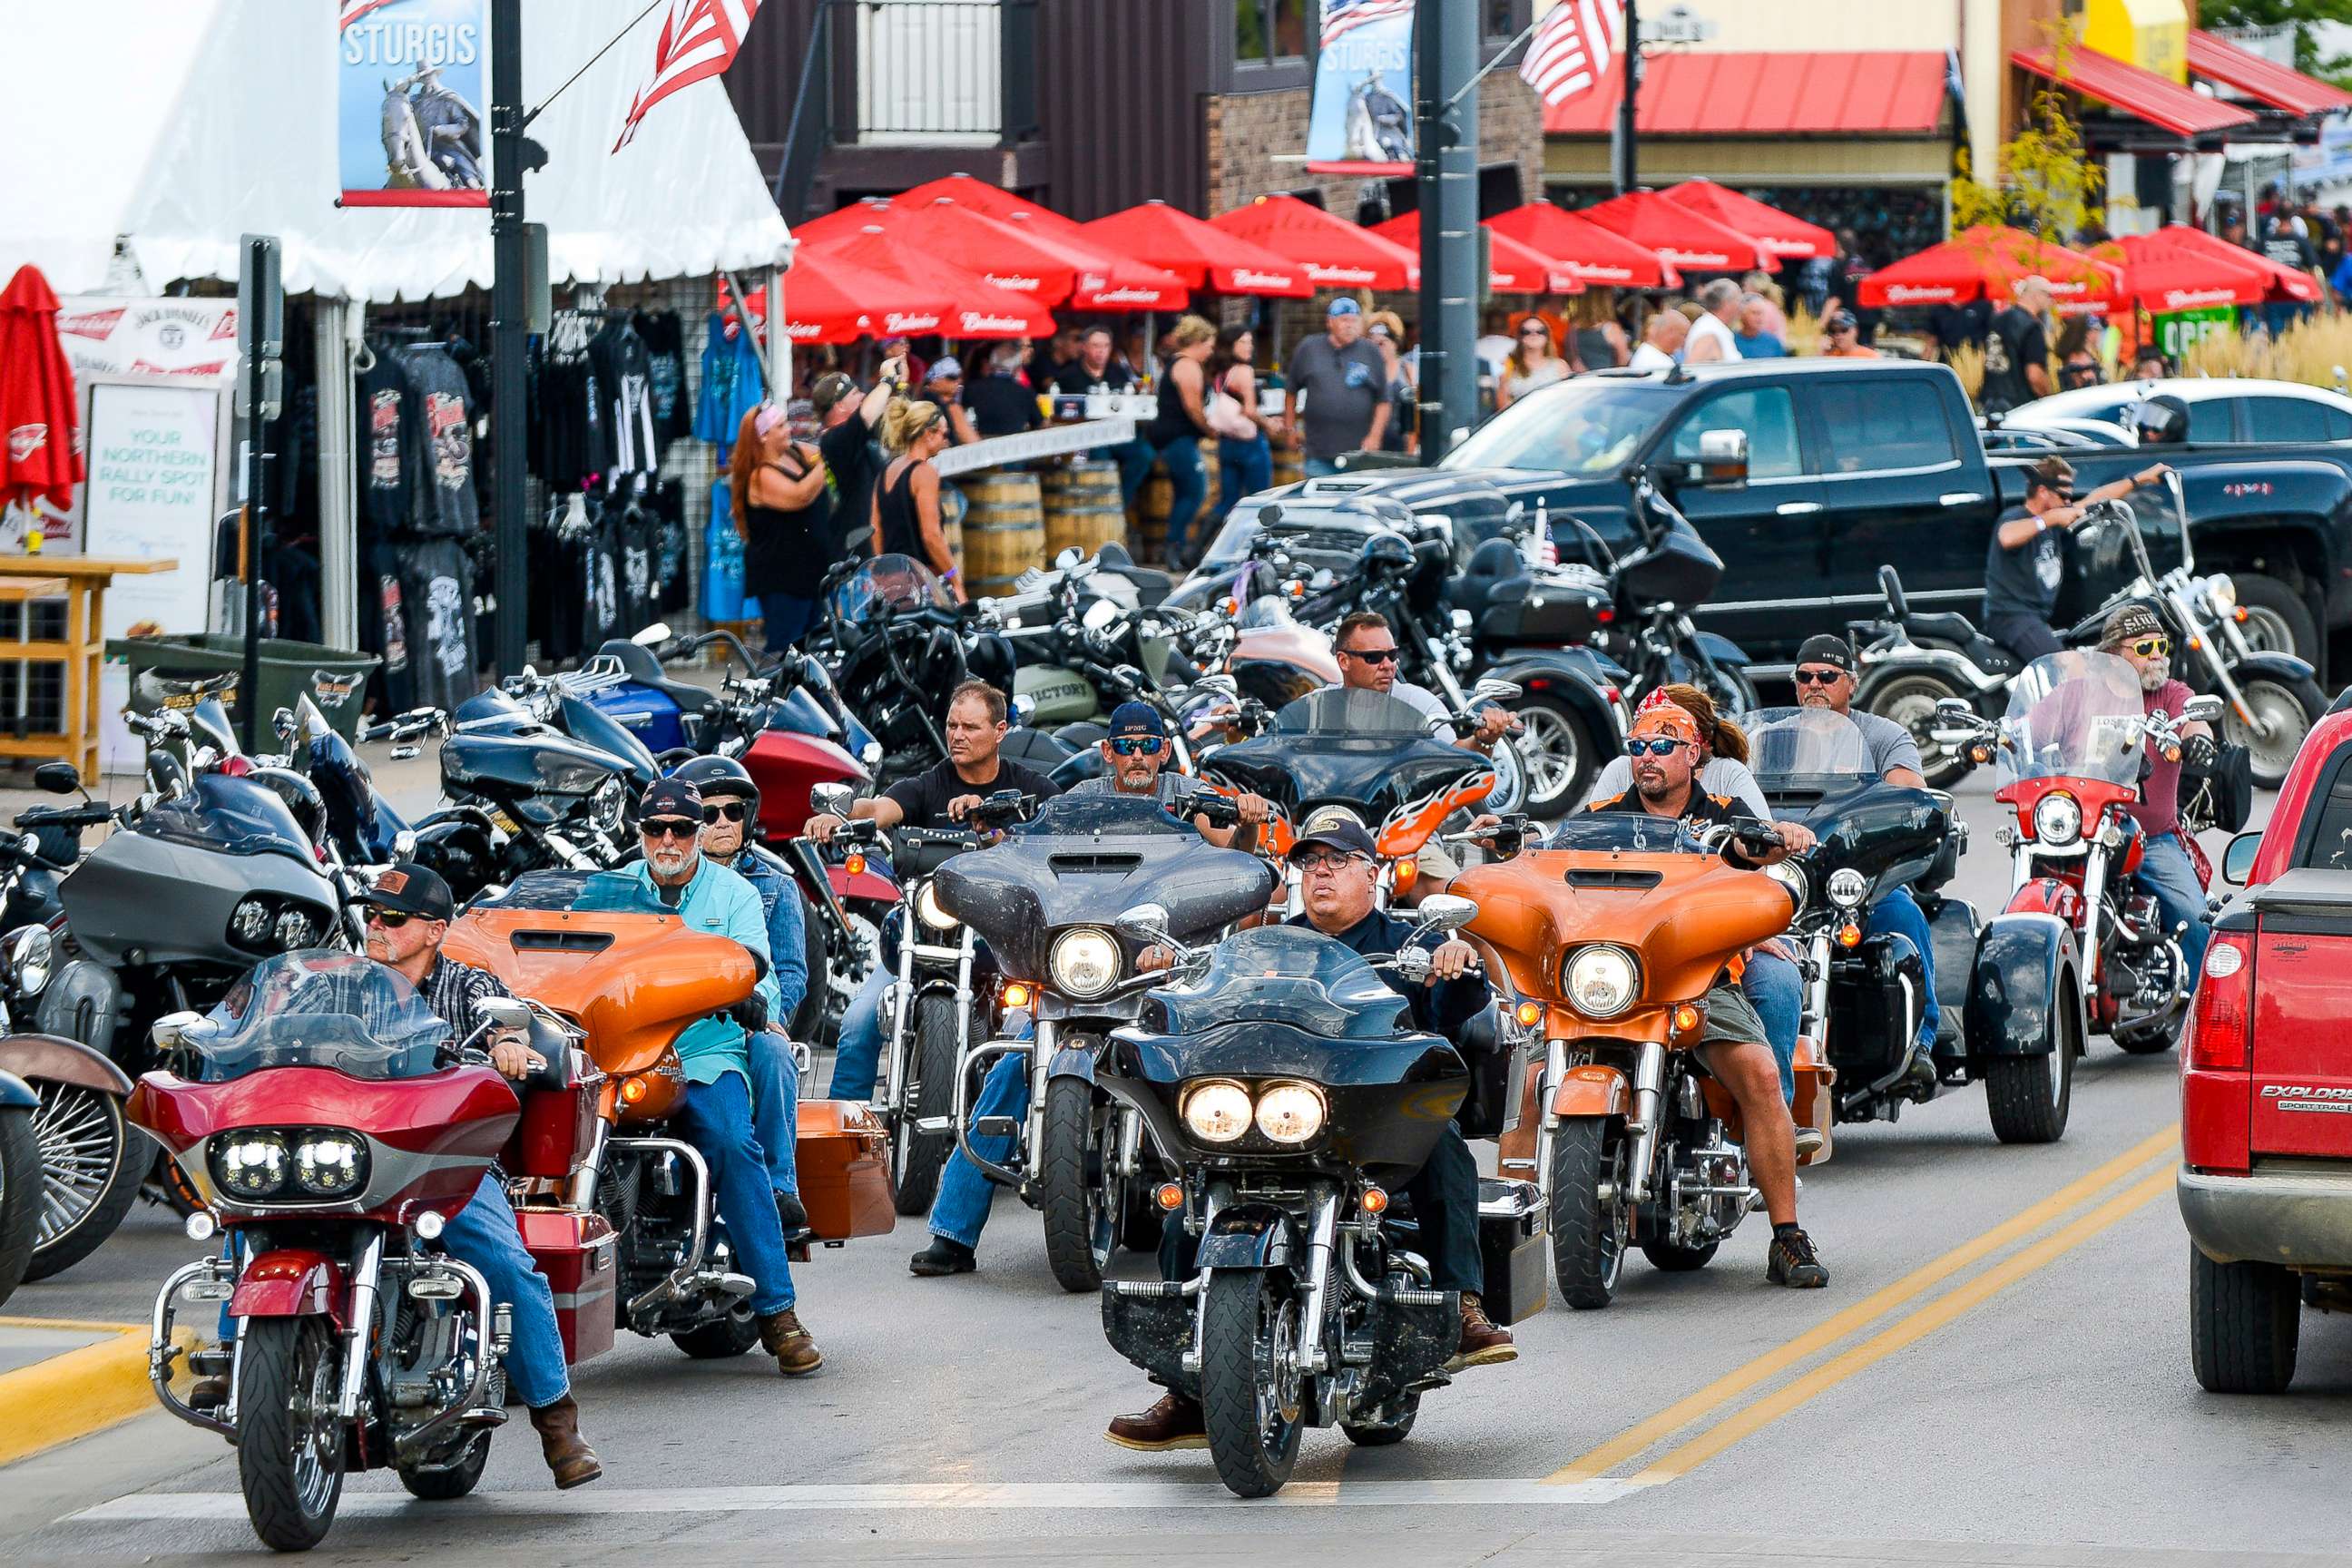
point(1854, 463)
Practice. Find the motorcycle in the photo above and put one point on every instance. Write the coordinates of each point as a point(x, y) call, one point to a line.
point(1280, 1075)
point(1611, 940)
point(899, 645)
point(1643, 625)
point(1043, 901)
point(553, 781)
point(20, 1180)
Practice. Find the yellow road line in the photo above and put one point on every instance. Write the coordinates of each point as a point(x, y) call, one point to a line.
point(1907, 1330)
point(1631, 1442)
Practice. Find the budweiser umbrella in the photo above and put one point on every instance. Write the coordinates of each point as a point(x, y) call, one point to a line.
point(1780, 235)
point(2160, 276)
point(2282, 282)
point(844, 223)
point(1201, 253)
point(1691, 240)
point(1591, 253)
point(1989, 260)
point(977, 309)
point(43, 459)
point(1513, 267)
point(826, 301)
point(1334, 252)
point(1014, 256)
point(989, 200)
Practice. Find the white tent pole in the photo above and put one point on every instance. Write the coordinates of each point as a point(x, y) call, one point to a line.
point(780, 341)
point(338, 324)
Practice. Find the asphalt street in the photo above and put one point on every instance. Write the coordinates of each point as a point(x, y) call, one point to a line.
point(1998, 1373)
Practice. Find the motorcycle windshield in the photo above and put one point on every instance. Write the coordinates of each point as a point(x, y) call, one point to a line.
point(890, 583)
point(1625, 832)
point(230, 816)
point(344, 785)
point(1284, 974)
point(321, 1009)
point(2076, 714)
point(579, 892)
point(1796, 747)
point(1339, 709)
point(1364, 750)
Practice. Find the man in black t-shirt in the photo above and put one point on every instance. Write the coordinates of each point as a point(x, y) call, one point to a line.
point(2017, 351)
point(1000, 402)
point(1095, 367)
point(851, 459)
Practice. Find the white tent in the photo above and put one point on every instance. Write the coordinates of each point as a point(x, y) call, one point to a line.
point(177, 125)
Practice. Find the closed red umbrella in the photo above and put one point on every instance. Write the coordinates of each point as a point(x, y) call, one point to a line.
point(2282, 282)
point(1334, 252)
point(826, 301)
point(1989, 260)
point(1779, 235)
point(978, 309)
point(2160, 276)
point(1513, 267)
point(1201, 253)
point(43, 458)
point(1591, 254)
point(1691, 240)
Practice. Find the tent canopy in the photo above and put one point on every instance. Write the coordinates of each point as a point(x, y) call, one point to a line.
point(221, 121)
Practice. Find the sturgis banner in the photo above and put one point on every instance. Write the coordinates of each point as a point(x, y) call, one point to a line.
point(410, 110)
point(1362, 122)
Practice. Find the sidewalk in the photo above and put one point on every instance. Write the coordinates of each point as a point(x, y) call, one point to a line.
point(62, 1380)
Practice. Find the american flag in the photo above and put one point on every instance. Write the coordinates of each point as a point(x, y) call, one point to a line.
point(698, 39)
point(1572, 47)
point(1343, 16)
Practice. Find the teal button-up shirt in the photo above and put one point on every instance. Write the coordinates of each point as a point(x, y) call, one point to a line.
point(720, 901)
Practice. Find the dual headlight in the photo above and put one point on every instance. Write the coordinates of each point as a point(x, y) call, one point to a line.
point(1601, 982)
point(257, 923)
point(1084, 964)
point(256, 1164)
point(1221, 1110)
point(927, 907)
point(1791, 876)
point(2058, 819)
point(2221, 597)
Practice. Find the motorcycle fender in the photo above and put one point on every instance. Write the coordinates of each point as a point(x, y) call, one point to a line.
point(81, 1002)
point(61, 1060)
point(291, 1282)
point(15, 1094)
point(1721, 649)
point(869, 884)
point(1592, 1090)
point(1911, 659)
point(1250, 1236)
point(2049, 896)
point(2025, 963)
point(1559, 678)
point(1072, 1062)
point(2279, 666)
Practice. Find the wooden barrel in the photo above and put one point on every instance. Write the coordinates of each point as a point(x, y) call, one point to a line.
point(1156, 498)
point(1083, 509)
point(1003, 530)
point(1289, 465)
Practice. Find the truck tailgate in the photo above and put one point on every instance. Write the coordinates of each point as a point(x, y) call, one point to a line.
point(2302, 1062)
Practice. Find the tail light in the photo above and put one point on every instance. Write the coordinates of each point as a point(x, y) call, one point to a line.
point(2222, 1023)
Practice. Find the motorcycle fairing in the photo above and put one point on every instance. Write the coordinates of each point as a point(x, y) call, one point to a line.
point(1372, 773)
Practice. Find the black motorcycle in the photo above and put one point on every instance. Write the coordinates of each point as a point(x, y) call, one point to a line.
point(1644, 623)
point(552, 778)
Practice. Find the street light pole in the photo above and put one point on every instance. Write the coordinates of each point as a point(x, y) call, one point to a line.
point(1627, 136)
point(508, 332)
point(1446, 45)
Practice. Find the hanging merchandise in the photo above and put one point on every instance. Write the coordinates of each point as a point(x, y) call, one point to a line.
point(383, 626)
point(665, 339)
point(441, 430)
point(668, 503)
point(569, 430)
point(624, 373)
point(387, 474)
point(636, 567)
point(732, 384)
point(722, 561)
point(436, 591)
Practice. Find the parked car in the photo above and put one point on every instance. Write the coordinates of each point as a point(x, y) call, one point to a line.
point(2237, 410)
point(2265, 1183)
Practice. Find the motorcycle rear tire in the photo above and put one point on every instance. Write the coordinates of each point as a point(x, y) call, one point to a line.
point(2026, 1104)
point(2264, 694)
point(1556, 752)
point(286, 1360)
point(1384, 1434)
point(1240, 1332)
point(72, 1113)
point(453, 1482)
point(20, 1195)
point(1082, 1210)
point(917, 1158)
point(723, 1339)
point(1672, 1257)
point(1588, 1237)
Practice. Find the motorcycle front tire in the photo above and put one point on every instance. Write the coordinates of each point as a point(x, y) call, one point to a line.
point(1082, 1212)
point(917, 1158)
point(289, 1361)
point(1254, 1456)
point(20, 1196)
point(1588, 1236)
point(2028, 1098)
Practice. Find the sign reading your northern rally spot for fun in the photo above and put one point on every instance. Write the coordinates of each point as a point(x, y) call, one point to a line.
point(409, 116)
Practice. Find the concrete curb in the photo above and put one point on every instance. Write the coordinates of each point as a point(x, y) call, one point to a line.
point(73, 1394)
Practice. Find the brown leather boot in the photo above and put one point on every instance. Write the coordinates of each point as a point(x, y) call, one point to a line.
point(572, 1460)
point(782, 1336)
point(1175, 1422)
point(1483, 1342)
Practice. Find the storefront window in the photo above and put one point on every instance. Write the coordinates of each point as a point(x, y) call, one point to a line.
point(1249, 32)
point(1290, 28)
point(1500, 21)
point(1265, 31)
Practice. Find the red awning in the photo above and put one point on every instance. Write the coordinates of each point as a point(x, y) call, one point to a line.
point(2267, 81)
point(981, 309)
point(1780, 234)
point(1513, 266)
point(1743, 93)
point(1591, 254)
point(1692, 241)
point(2285, 282)
point(2142, 94)
point(1334, 252)
point(2160, 276)
point(1989, 260)
point(989, 200)
point(828, 300)
point(1201, 253)
point(1014, 257)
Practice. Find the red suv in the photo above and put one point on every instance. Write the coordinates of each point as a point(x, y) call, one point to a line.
point(2266, 1083)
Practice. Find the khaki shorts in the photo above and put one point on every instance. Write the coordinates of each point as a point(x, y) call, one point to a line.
point(1732, 1018)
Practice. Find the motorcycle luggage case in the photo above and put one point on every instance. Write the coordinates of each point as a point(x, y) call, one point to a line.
point(579, 1255)
point(553, 1137)
point(1514, 1248)
point(845, 1178)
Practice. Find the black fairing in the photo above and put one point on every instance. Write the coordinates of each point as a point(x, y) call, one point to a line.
point(1891, 836)
point(591, 726)
point(1372, 767)
point(538, 775)
point(1677, 567)
point(1085, 861)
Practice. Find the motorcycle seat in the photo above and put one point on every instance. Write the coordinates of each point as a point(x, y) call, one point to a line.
point(1151, 587)
point(1940, 625)
point(1494, 562)
point(642, 668)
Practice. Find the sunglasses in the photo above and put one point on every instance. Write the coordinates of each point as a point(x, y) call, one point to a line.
point(1138, 745)
point(670, 827)
point(1817, 677)
point(2152, 647)
point(391, 920)
point(1324, 862)
point(732, 811)
point(1660, 746)
point(1533, 332)
point(1372, 655)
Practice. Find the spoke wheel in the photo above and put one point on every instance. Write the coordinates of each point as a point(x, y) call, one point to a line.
point(91, 1170)
point(290, 1450)
point(1250, 1384)
point(1555, 752)
point(2282, 717)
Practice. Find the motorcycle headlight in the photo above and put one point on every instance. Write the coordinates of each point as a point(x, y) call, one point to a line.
point(329, 1162)
point(1217, 1111)
point(2058, 819)
point(1792, 877)
point(1290, 1112)
point(1084, 964)
point(251, 1165)
point(604, 807)
point(28, 957)
point(1601, 982)
point(295, 929)
point(1848, 888)
point(249, 923)
point(926, 905)
point(2220, 594)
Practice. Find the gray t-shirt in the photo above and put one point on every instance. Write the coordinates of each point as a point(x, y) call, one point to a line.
point(1173, 791)
point(1338, 391)
point(1891, 745)
point(1431, 706)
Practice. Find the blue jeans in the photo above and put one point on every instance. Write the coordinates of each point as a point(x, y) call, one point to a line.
point(1319, 468)
point(961, 1207)
point(483, 1233)
point(783, 618)
point(1898, 913)
point(1777, 990)
point(857, 1056)
point(1134, 460)
point(1243, 468)
point(717, 1120)
point(2166, 870)
point(1191, 481)
point(776, 1105)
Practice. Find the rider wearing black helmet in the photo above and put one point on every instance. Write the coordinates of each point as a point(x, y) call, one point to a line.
point(2162, 421)
point(731, 814)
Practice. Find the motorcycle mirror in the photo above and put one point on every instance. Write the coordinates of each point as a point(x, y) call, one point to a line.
point(504, 1012)
point(870, 755)
point(1144, 923)
point(1022, 709)
point(1099, 615)
point(1071, 555)
point(653, 635)
point(1322, 580)
point(2203, 710)
point(57, 778)
point(404, 844)
point(1953, 705)
point(1445, 912)
point(281, 723)
point(1222, 684)
point(170, 1031)
point(833, 799)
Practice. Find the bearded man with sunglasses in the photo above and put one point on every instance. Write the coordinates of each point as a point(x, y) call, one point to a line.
point(2025, 563)
point(2134, 633)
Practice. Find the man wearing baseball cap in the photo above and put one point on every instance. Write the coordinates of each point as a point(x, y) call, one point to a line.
point(2134, 633)
point(1345, 381)
point(1663, 746)
point(1135, 756)
point(851, 458)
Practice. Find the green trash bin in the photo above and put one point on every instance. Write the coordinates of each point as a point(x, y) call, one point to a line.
point(333, 678)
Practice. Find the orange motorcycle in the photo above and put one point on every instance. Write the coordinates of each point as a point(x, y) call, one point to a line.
point(1609, 942)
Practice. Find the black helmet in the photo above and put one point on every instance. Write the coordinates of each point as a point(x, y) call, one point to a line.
point(719, 778)
point(2161, 420)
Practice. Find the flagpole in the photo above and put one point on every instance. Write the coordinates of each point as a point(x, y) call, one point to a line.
point(510, 340)
point(1628, 176)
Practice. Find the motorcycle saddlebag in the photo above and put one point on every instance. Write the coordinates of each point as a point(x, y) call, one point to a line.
point(845, 1178)
point(2229, 778)
point(578, 1253)
point(1514, 1247)
point(557, 1128)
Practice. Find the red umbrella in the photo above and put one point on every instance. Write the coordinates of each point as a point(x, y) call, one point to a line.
point(43, 460)
point(1513, 267)
point(1201, 253)
point(1589, 252)
point(846, 222)
point(1691, 240)
point(1014, 256)
point(2283, 282)
point(1776, 232)
point(1991, 260)
point(979, 310)
point(989, 200)
point(826, 301)
point(1334, 252)
point(2161, 276)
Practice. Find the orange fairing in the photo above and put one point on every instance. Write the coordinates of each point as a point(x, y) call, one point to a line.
point(1407, 831)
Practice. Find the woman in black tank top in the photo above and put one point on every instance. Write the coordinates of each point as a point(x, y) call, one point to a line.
point(906, 519)
point(1175, 431)
point(776, 487)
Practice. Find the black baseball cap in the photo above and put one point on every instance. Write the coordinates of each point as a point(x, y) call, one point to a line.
point(1347, 837)
point(1822, 647)
point(406, 887)
point(671, 800)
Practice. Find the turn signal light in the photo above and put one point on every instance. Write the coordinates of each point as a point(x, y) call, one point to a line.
point(1529, 1014)
point(1407, 869)
point(1980, 754)
point(2239, 615)
point(634, 1090)
point(1169, 1195)
point(1016, 994)
point(2196, 645)
point(853, 863)
point(1687, 1017)
point(1376, 1200)
point(1849, 935)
